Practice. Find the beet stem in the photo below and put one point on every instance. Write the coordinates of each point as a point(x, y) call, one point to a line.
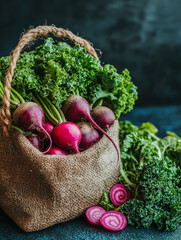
point(100, 129)
point(76, 149)
point(49, 138)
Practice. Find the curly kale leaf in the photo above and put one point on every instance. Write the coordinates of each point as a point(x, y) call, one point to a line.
point(134, 150)
point(123, 92)
point(105, 202)
point(158, 197)
point(151, 169)
point(156, 175)
point(59, 70)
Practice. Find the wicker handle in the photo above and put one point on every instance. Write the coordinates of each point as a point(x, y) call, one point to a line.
point(24, 40)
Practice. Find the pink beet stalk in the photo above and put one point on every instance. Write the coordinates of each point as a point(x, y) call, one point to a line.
point(93, 215)
point(119, 194)
point(76, 108)
point(113, 220)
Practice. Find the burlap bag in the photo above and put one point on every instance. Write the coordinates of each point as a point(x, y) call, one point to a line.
point(37, 190)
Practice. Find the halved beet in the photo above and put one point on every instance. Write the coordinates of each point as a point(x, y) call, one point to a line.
point(119, 194)
point(93, 214)
point(113, 220)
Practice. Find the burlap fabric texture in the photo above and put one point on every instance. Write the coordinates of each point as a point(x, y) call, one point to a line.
point(37, 190)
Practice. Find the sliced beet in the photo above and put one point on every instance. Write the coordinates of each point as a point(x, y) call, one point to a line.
point(93, 214)
point(119, 194)
point(113, 220)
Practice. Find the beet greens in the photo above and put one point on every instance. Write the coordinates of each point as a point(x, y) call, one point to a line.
point(151, 169)
point(58, 70)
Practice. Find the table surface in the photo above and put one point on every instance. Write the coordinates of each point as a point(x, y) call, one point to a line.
point(166, 119)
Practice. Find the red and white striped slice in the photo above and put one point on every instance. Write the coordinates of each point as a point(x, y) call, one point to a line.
point(113, 220)
point(93, 214)
point(119, 194)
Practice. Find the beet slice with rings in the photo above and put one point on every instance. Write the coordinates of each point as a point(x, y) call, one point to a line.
point(93, 215)
point(113, 221)
point(119, 194)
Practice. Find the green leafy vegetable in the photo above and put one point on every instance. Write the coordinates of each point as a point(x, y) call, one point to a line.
point(59, 70)
point(15, 98)
point(151, 169)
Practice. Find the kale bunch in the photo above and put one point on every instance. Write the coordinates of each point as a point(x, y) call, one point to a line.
point(59, 70)
point(151, 169)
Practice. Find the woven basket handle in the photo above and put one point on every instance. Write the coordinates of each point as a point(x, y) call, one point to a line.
point(24, 40)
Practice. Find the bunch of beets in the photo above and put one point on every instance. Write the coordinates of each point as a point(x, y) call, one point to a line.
point(75, 135)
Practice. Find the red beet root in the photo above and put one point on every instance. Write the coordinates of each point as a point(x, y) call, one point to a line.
point(35, 141)
point(89, 135)
point(48, 127)
point(76, 108)
point(67, 136)
point(103, 116)
point(29, 117)
point(56, 151)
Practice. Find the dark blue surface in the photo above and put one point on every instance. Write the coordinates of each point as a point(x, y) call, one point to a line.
point(165, 118)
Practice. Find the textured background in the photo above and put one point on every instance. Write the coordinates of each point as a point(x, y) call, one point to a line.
point(143, 36)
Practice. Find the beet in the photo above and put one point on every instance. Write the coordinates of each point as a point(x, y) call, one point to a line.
point(48, 127)
point(89, 135)
point(67, 136)
point(76, 108)
point(56, 151)
point(29, 117)
point(119, 194)
point(35, 141)
point(103, 116)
